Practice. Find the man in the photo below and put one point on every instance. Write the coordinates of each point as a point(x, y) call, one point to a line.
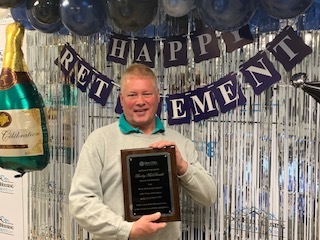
point(96, 194)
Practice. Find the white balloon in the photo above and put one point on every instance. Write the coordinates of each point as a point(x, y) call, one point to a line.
point(177, 8)
point(4, 12)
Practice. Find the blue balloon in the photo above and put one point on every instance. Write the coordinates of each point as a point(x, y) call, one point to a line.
point(18, 14)
point(152, 30)
point(261, 22)
point(83, 17)
point(52, 26)
point(45, 11)
point(285, 9)
point(226, 15)
point(131, 15)
point(177, 8)
point(310, 20)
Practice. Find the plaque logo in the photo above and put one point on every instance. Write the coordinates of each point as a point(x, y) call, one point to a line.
point(148, 164)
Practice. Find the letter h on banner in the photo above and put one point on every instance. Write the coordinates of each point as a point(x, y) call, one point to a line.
point(118, 49)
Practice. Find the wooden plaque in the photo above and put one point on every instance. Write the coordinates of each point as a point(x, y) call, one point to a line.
point(150, 183)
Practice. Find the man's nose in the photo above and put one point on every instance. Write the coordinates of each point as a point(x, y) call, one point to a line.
point(140, 99)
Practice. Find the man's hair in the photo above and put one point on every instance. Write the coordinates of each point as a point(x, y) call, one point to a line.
point(138, 69)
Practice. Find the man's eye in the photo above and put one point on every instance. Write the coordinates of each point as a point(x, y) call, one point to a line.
point(147, 94)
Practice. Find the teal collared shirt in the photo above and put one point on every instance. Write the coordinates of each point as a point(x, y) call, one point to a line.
point(126, 128)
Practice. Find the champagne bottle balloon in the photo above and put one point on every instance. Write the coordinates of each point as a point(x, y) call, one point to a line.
point(24, 143)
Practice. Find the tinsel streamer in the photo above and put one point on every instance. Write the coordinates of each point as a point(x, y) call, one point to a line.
point(317, 177)
point(307, 178)
point(284, 161)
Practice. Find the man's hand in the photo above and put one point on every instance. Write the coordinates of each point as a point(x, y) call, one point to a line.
point(182, 165)
point(146, 225)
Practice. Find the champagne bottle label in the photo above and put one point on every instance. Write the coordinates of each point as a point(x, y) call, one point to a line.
point(7, 79)
point(21, 133)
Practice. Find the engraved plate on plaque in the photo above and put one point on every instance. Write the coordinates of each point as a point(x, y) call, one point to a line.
point(150, 183)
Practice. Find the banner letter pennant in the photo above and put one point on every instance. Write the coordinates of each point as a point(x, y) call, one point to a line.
point(204, 45)
point(145, 51)
point(175, 51)
point(101, 89)
point(288, 48)
point(237, 39)
point(67, 60)
point(228, 93)
point(178, 109)
point(259, 72)
point(202, 104)
point(118, 49)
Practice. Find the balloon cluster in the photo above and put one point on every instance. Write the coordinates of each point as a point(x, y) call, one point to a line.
point(87, 17)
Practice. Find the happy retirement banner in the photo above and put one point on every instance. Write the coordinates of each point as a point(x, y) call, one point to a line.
point(221, 96)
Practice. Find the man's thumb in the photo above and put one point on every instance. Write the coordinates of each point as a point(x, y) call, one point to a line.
point(153, 217)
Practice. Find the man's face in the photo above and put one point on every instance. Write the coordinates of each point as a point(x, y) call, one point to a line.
point(139, 99)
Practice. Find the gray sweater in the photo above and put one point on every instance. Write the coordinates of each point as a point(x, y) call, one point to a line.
point(96, 194)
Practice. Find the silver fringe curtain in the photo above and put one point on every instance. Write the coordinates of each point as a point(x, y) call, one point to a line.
point(264, 155)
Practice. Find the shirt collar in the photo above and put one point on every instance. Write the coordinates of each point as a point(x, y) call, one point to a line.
point(126, 128)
